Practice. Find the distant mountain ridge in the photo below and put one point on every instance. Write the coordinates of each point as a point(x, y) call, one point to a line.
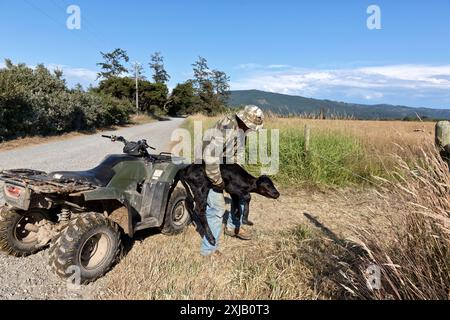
point(288, 104)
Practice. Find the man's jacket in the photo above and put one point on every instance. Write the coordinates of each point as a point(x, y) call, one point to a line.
point(227, 141)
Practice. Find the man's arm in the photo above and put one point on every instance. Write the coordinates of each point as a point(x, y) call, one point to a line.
point(212, 156)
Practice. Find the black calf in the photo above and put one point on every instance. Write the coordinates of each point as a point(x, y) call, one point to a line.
point(238, 183)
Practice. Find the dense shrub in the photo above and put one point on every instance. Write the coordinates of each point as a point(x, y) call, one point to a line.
point(152, 96)
point(37, 101)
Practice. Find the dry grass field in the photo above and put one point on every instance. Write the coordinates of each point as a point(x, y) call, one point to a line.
point(318, 238)
point(380, 137)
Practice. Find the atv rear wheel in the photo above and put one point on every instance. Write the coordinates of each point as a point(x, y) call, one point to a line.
point(88, 247)
point(15, 238)
point(177, 215)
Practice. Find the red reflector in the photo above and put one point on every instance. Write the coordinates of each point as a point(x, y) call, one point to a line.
point(13, 191)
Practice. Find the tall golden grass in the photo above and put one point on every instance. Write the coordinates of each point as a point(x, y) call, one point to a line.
point(415, 260)
point(411, 249)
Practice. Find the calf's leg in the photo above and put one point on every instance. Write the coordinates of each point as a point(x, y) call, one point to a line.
point(246, 200)
point(201, 207)
point(239, 211)
point(234, 218)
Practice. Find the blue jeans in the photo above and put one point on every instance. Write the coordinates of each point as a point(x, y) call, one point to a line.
point(214, 214)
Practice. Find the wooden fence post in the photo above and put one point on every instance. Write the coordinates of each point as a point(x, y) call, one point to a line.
point(442, 134)
point(442, 139)
point(307, 138)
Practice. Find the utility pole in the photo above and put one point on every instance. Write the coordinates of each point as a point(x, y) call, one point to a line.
point(137, 87)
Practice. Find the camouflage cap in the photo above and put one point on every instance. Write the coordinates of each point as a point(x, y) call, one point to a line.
point(252, 116)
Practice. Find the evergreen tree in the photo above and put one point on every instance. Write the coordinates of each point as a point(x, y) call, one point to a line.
point(112, 66)
point(183, 100)
point(160, 74)
point(221, 86)
point(201, 72)
point(212, 86)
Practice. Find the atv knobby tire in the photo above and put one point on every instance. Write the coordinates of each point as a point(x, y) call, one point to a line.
point(177, 216)
point(87, 248)
point(14, 239)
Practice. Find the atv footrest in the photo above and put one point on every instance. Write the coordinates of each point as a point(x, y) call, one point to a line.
point(150, 222)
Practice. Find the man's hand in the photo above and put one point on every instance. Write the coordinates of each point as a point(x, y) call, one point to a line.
point(219, 187)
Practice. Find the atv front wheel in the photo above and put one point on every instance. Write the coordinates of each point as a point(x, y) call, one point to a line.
point(177, 215)
point(88, 247)
point(15, 238)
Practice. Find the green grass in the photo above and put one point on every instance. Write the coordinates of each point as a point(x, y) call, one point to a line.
point(334, 159)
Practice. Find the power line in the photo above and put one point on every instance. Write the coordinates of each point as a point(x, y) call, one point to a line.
point(43, 12)
point(85, 21)
point(62, 23)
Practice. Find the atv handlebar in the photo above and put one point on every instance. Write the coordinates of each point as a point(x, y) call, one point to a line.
point(133, 148)
point(115, 138)
point(144, 143)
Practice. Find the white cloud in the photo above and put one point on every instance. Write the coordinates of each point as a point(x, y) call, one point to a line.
point(75, 75)
point(256, 66)
point(410, 72)
point(84, 74)
point(368, 83)
point(248, 66)
point(277, 66)
point(374, 95)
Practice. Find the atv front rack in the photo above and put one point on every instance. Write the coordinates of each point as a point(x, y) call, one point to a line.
point(40, 182)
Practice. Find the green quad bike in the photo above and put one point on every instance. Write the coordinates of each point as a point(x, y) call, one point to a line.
point(71, 211)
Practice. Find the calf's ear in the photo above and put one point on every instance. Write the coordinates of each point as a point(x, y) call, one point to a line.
point(265, 178)
point(262, 178)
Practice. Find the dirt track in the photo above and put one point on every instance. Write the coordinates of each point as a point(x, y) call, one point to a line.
point(30, 278)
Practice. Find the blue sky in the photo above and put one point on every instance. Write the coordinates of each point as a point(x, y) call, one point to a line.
point(320, 49)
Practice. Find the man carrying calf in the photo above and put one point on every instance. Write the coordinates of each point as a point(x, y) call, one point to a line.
point(226, 143)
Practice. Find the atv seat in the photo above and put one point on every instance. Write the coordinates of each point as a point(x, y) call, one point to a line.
point(99, 176)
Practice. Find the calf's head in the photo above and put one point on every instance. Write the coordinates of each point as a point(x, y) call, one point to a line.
point(265, 187)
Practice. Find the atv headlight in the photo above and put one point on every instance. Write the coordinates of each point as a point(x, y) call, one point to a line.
point(13, 191)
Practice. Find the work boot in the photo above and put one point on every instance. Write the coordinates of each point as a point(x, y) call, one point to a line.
point(216, 255)
point(241, 233)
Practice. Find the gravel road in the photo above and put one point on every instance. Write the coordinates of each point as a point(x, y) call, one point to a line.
point(30, 277)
